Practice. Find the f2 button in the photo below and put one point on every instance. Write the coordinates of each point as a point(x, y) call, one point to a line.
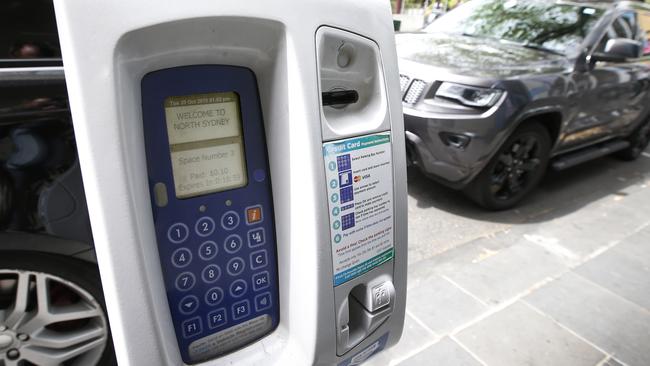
point(258, 259)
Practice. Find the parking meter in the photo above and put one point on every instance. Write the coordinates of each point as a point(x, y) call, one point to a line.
point(245, 171)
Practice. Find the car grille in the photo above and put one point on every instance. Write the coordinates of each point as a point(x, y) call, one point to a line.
point(415, 91)
point(404, 82)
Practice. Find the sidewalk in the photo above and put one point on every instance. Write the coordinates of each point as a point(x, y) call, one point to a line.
point(574, 290)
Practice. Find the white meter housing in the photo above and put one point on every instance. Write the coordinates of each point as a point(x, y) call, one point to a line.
point(245, 171)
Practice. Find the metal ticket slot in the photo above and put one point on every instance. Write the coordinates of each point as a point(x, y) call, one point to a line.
point(245, 174)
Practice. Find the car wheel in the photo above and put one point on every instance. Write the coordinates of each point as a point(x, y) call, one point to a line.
point(51, 312)
point(515, 170)
point(639, 141)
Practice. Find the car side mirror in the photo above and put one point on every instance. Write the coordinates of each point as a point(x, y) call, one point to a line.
point(618, 50)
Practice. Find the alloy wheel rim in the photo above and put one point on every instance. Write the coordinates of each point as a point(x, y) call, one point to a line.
point(51, 321)
point(515, 168)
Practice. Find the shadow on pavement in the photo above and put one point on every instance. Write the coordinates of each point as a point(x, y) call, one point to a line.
point(559, 194)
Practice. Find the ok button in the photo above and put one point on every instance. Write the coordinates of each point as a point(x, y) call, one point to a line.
point(260, 281)
point(258, 259)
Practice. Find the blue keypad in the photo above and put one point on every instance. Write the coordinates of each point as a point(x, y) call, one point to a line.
point(234, 290)
point(347, 194)
point(347, 221)
point(344, 162)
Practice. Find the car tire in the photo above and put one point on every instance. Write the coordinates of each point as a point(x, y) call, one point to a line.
point(639, 141)
point(70, 327)
point(513, 173)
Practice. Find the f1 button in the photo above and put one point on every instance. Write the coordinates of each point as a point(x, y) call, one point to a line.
point(191, 327)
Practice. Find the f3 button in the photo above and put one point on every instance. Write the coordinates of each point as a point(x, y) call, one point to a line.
point(258, 259)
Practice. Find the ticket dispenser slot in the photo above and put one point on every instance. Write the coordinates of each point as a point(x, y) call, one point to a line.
point(359, 168)
point(212, 206)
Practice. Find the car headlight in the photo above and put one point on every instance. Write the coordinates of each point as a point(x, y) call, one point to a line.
point(469, 95)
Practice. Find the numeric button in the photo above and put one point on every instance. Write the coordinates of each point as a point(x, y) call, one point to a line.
point(211, 273)
point(208, 250)
point(185, 281)
point(204, 226)
point(235, 266)
point(233, 244)
point(217, 318)
point(214, 296)
point(230, 220)
point(178, 233)
point(181, 257)
point(256, 237)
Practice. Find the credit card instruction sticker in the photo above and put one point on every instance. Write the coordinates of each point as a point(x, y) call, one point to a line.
point(360, 195)
point(205, 141)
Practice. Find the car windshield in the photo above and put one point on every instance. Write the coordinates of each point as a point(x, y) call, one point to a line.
point(558, 27)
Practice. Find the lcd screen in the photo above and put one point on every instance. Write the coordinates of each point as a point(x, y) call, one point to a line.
point(206, 143)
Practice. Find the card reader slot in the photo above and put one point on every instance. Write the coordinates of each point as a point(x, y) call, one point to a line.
point(340, 98)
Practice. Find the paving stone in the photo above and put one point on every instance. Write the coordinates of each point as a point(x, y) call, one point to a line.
point(624, 269)
point(507, 273)
point(444, 353)
point(519, 335)
point(441, 305)
point(414, 337)
point(611, 322)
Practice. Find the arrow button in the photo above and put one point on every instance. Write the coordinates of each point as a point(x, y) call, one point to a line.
point(189, 304)
point(238, 288)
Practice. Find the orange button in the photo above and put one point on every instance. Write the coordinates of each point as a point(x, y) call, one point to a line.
point(253, 215)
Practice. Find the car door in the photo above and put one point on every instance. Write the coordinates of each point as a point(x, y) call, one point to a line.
point(611, 94)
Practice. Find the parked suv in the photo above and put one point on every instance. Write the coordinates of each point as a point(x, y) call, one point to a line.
point(51, 304)
point(497, 90)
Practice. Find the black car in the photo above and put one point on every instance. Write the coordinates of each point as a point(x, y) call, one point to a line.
point(51, 302)
point(497, 90)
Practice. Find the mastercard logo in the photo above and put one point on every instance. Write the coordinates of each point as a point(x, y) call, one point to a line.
point(357, 178)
